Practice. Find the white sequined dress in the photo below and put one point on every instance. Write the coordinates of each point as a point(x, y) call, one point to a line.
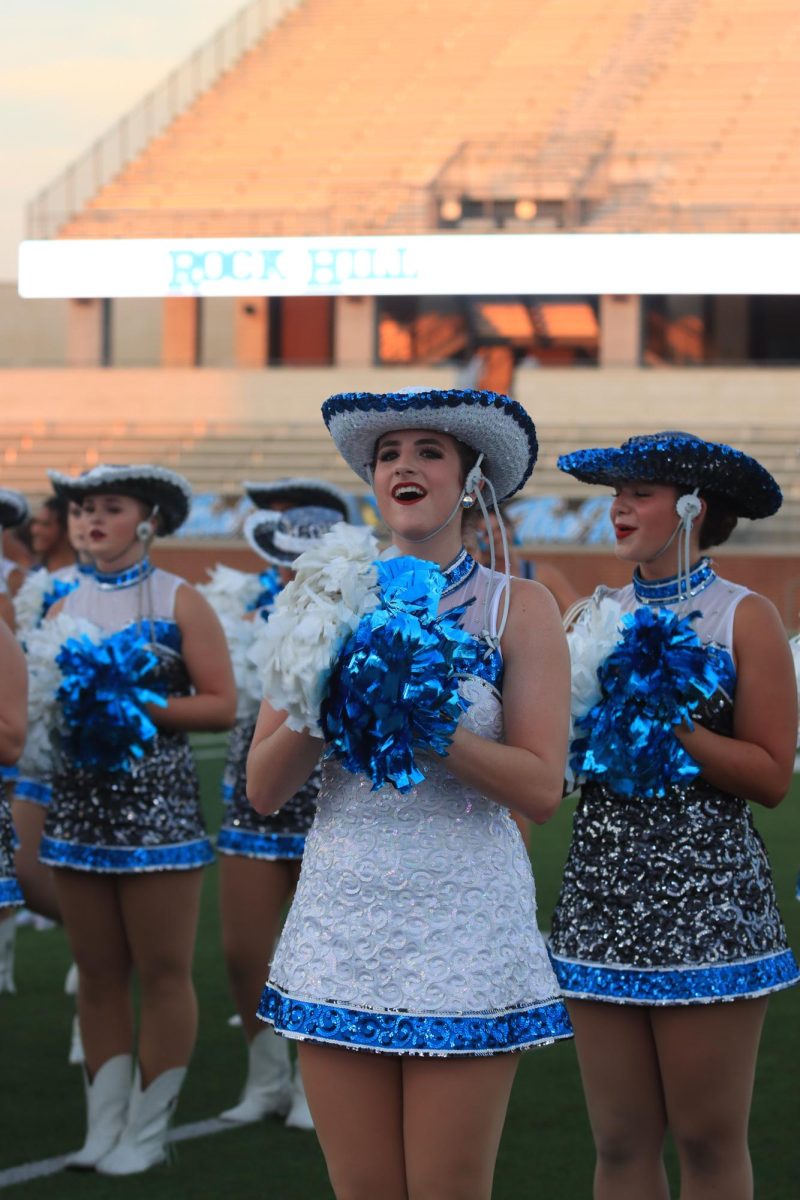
point(413, 929)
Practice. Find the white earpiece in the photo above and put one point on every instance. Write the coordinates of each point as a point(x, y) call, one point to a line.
point(474, 476)
point(689, 506)
point(145, 530)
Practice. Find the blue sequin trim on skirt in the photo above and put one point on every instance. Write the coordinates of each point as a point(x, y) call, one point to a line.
point(125, 859)
point(406, 1033)
point(10, 893)
point(269, 846)
point(33, 791)
point(677, 985)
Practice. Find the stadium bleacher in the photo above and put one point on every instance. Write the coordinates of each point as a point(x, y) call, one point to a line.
point(629, 116)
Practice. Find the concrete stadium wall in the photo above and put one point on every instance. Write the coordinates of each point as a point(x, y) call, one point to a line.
point(709, 397)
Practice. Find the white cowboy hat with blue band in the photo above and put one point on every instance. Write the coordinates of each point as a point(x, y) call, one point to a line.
point(685, 461)
point(489, 423)
point(153, 485)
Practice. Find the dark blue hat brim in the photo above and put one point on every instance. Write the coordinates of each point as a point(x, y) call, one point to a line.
point(13, 508)
point(739, 481)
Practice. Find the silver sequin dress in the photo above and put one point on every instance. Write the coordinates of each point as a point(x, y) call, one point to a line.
point(148, 817)
point(413, 928)
point(245, 832)
point(10, 893)
point(671, 901)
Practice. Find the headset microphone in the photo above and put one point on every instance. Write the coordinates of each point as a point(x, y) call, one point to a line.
point(145, 530)
point(688, 506)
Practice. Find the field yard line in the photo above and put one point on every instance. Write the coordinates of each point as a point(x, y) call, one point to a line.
point(51, 1166)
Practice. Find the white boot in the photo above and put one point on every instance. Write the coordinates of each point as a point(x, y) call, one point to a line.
point(71, 981)
point(143, 1140)
point(299, 1114)
point(76, 1057)
point(8, 938)
point(268, 1088)
point(107, 1099)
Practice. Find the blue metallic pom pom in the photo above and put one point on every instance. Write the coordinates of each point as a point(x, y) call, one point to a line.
point(653, 680)
point(103, 694)
point(60, 589)
point(394, 688)
point(271, 585)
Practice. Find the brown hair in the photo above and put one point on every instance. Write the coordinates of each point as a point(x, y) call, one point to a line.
point(718, 523)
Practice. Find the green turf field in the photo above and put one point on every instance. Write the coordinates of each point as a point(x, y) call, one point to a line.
point(546, 1150)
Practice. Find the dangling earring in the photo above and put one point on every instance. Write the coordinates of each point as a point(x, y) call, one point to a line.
point(468, 501)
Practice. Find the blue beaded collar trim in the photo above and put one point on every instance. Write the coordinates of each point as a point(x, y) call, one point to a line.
point(269, 846)
point(33, 791)
point(405, 1033)
point(9, 773)
point(124, 579)
point(10, 893)
point(458, 571)
point(125, 859)
point(677, 985)
point(86, 568)
point(665, 591)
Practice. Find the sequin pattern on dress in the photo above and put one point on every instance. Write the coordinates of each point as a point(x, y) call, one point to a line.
point(671, 900)
point(246, 832)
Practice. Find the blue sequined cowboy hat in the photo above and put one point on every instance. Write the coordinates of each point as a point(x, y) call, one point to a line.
point(488, 423)
point(151, 484)
point(279, 537)
point(299, 492)
point(13, 508)
point(740, 482)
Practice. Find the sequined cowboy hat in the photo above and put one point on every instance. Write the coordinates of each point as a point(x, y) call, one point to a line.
point(279, 537)
point(686, 461)
point(298, 492)
point(143, 481)
point(485, 421)
point(13, 508)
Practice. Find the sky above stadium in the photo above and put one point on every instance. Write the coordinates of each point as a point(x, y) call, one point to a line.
point(68, 70)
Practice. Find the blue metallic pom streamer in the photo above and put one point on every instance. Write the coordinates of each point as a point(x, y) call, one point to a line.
point(271, 586)
point(103, 694)
point(60, 589)
point(394, 688)
point(653, 680)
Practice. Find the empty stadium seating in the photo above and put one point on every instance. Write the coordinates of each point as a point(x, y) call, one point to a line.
point(356, 115)
point(217, 457)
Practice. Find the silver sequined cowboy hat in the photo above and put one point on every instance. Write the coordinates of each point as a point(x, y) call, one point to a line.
point(487, 422)
point(151, 484)
point(13, 508)
point(279, 537)
point(740, 482)
point(298, 492)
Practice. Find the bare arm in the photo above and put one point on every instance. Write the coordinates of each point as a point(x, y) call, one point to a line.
point(280, 760)
point(757, 762)
point(205, 652)
point(13, 697)
point(554, 579)
point(7, 611)
point(526, 771)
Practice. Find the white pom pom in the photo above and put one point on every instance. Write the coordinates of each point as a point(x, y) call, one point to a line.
point(590, 642)
point(230, 592)
point(334, 585)
point(44, 677)
point(29, 600)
